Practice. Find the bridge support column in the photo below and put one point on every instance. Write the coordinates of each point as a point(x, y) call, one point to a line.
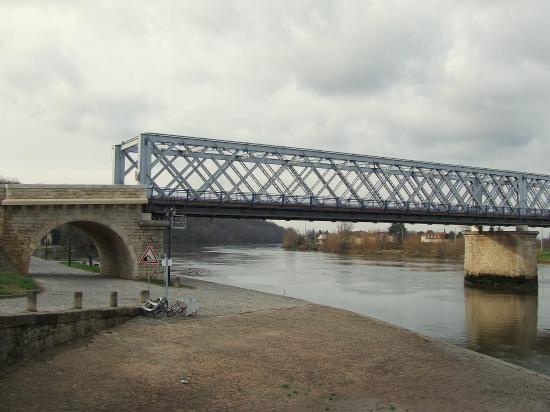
point(501, 261)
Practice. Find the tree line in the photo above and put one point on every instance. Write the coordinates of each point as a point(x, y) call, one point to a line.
point(397, 240)
point(201, 231)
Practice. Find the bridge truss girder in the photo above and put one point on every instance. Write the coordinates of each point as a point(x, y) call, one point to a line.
point(171, 165)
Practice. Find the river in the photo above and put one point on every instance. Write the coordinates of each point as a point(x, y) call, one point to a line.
point(422, 295)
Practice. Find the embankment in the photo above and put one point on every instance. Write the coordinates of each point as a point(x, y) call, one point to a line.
point(24, 335)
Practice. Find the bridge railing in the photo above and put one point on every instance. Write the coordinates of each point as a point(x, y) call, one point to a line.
point(301, 201)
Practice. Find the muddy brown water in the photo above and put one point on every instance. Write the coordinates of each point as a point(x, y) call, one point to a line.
point(426, 296)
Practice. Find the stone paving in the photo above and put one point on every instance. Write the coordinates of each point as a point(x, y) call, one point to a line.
point(59, 283)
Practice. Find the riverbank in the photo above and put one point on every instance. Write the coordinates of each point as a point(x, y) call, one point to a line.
point(255, 351)
point(542, 257)
point(391, 253)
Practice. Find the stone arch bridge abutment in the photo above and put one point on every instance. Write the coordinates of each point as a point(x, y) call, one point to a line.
point(112, 215)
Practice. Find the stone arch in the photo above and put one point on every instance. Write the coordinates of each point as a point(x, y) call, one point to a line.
point(117, 255)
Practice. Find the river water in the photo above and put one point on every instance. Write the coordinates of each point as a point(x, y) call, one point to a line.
point(426, 296)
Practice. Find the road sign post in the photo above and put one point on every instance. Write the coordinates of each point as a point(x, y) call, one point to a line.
point(166, 264)
point(148, 258)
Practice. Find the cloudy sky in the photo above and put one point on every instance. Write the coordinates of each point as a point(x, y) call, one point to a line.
point(463, 82)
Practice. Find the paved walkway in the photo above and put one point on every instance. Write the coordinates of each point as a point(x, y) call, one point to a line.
point(60, 282)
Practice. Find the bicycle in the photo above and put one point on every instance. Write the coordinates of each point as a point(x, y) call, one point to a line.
point(156, 308)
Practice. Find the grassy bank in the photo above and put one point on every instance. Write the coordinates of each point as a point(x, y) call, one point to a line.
point(15, 284)
point(543, 256)
point(82, 266)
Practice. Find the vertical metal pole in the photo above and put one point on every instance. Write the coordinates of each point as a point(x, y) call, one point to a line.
point(170, 214)
point(166, 275)
point(478, 192)
point(118, 165)
point(46, 251)
point(522, 195)
point(169, 245)
point(70, 244)
point(144, 162)
point(148, 280)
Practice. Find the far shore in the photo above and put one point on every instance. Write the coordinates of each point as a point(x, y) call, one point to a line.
point(542, 257)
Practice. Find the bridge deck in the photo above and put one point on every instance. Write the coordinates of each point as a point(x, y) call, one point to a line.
point(256, 206)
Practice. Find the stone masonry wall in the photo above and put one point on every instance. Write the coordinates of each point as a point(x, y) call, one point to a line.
point(510, 254)
point(119, 229)
point(19, 191)
point(25, 335)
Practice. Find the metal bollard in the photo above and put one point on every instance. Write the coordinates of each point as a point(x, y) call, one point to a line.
point(143, 296)
point(78, 300)
point(31, 300)
point(114, 299)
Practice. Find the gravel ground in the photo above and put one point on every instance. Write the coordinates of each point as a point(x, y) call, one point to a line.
point(265, 352)
point(60, 282)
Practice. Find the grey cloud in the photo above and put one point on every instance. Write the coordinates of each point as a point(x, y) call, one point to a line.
point(105, 115)
point(367, 49)
point(459, 82)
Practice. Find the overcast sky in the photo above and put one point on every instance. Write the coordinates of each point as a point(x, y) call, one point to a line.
point(464, 82)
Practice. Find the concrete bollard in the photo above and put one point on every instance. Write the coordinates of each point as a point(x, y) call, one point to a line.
point(31, 300)
point(143, 296)
point(114, 299)
point(78, 300)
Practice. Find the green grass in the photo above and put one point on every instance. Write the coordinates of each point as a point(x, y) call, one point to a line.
point(543, 256)
point(89, 268)
point(15, 284)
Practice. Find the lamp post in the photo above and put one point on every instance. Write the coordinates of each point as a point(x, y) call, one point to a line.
point(170, 212)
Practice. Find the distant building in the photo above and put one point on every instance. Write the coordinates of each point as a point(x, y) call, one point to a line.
point(433, 237)
point(361, 237)
point(322, 238)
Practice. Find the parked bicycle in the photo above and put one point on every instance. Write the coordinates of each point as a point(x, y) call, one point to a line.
point(156, 308)
point(184, 306)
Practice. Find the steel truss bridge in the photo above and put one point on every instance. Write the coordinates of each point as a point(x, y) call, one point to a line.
point(218, 178)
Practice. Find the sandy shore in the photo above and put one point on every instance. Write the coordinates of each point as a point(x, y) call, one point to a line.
point(254, 351)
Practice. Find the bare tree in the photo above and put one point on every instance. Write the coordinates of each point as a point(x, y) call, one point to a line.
point(290, 238)
point(4, 179)
point(344, 230)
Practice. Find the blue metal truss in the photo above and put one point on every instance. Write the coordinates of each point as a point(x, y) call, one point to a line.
point(206, 177)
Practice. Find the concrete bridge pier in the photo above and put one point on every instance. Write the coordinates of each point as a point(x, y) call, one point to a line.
point(501, 261)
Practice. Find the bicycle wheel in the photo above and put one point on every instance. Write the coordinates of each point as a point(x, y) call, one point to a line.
point(171, 312)
point(160, 311)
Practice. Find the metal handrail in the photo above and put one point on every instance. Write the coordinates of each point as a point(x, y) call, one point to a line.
point(253, 199)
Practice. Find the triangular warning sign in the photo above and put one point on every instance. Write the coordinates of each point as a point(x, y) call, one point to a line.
point(149, 257)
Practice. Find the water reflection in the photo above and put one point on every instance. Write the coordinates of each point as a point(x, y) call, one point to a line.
point(498, 320)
